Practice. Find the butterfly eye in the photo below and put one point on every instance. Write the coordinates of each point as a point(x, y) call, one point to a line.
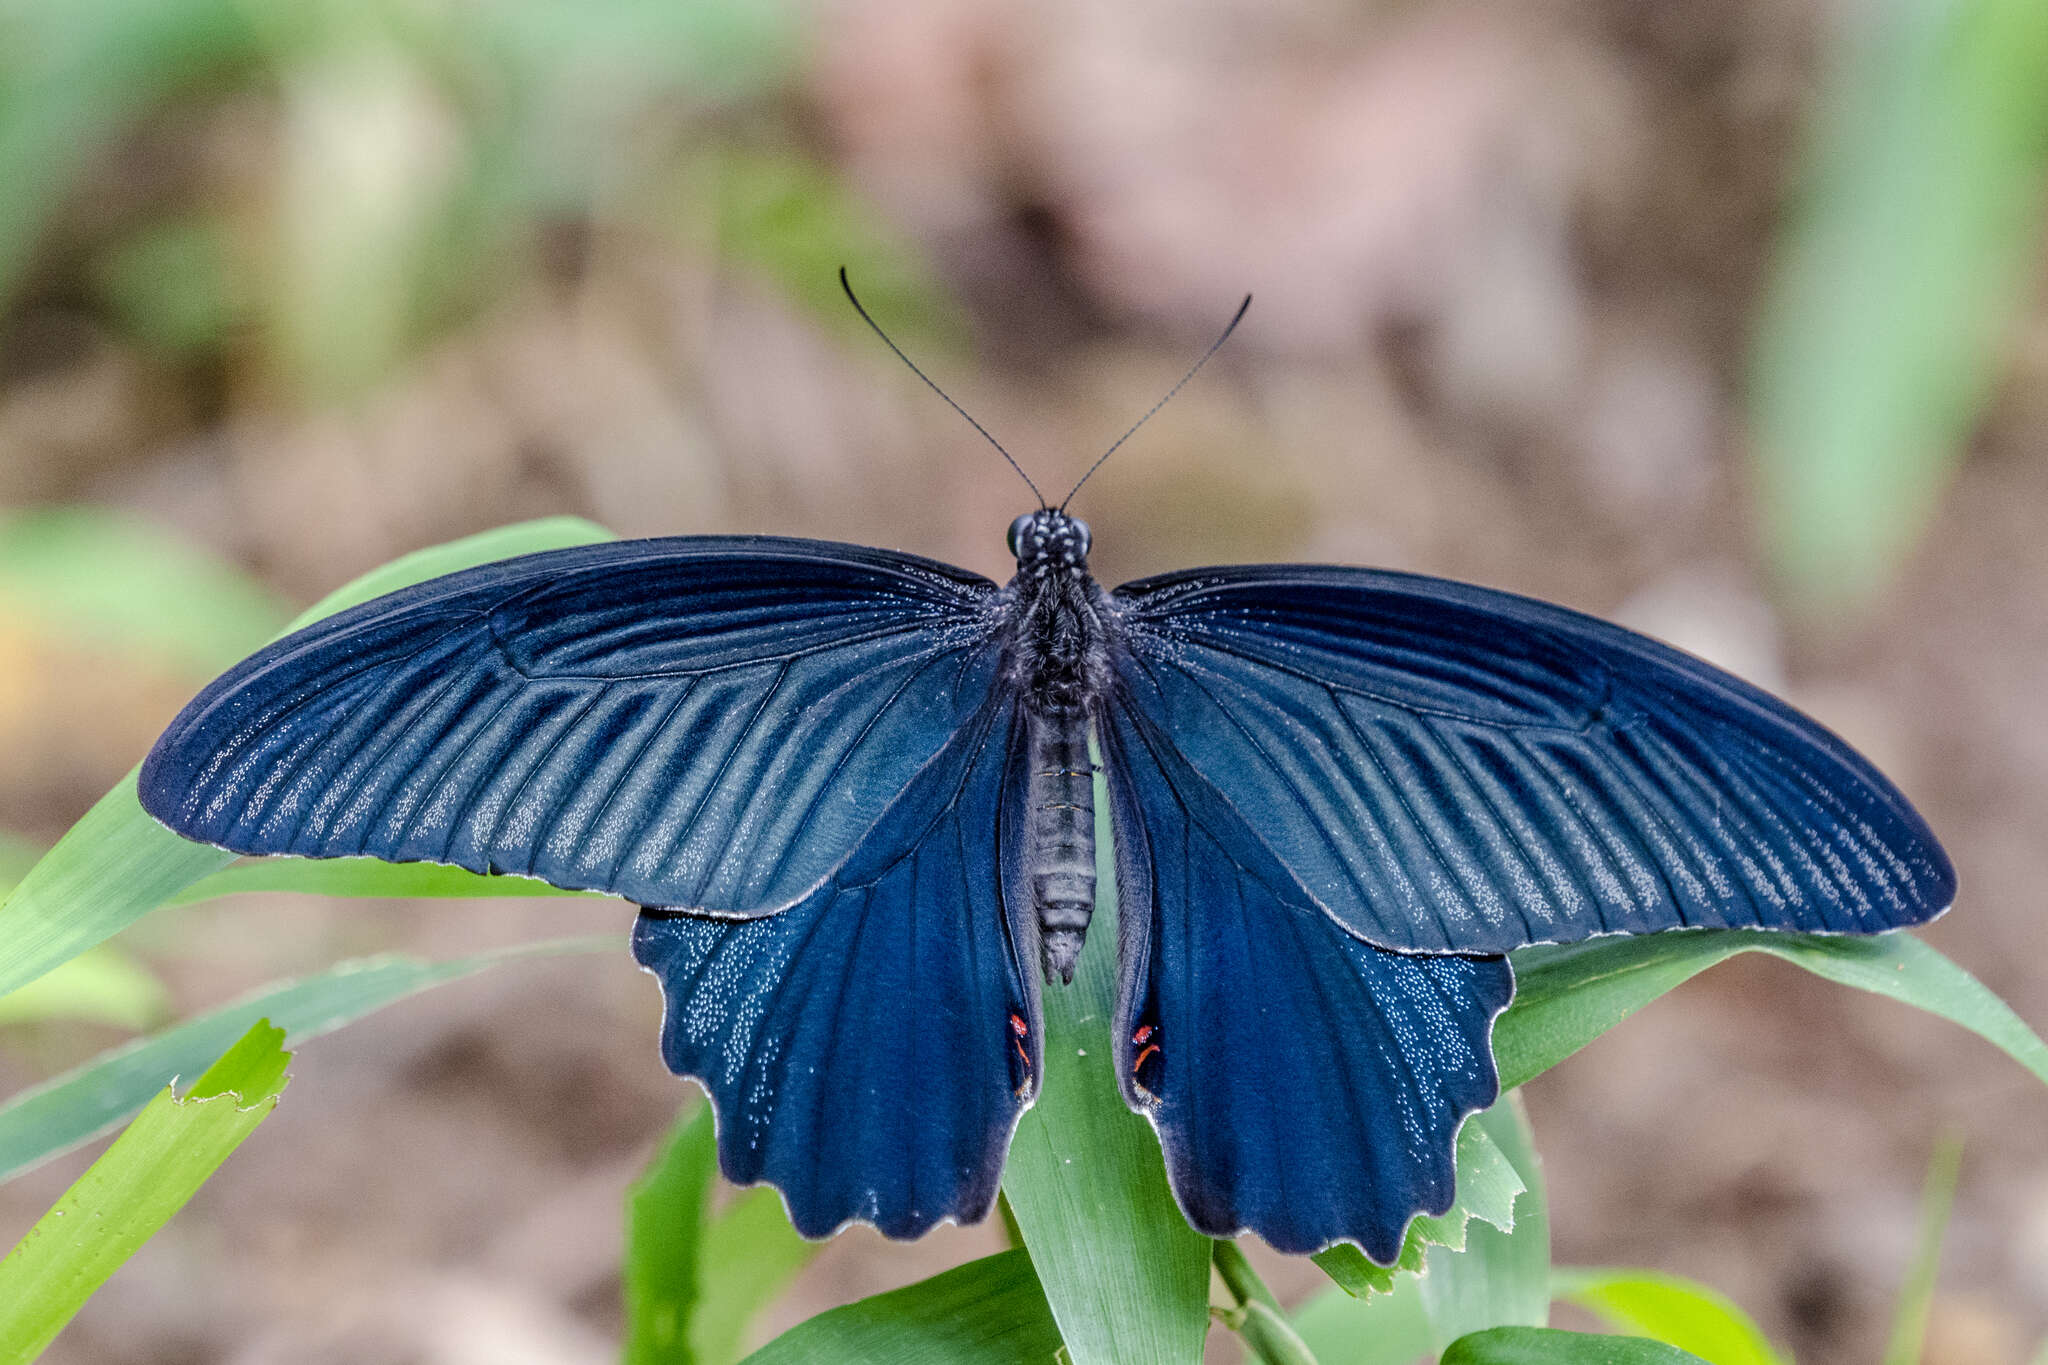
point(1017, 530)
point(1081, 537)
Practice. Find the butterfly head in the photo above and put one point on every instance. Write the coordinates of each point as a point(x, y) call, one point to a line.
point(1048, 542)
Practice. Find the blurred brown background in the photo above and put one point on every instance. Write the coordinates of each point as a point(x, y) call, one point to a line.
point(1540, 289)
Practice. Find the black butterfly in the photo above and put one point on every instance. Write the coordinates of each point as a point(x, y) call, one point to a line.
point(853, 790)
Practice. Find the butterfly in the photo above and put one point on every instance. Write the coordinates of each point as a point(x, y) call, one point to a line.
point(854, 793)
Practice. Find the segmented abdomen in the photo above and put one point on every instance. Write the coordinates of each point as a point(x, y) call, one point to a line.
point(1060, 853)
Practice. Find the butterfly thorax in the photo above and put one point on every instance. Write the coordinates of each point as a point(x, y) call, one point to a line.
point(1057, 659)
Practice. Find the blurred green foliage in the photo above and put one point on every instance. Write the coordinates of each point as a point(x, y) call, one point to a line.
point(1906, 258)
point(419, 161)
point(1671, 1309)
point(99, 986)
point(1916, 1295)
point(116, 582)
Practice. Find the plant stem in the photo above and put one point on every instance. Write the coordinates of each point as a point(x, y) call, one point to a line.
point(1257, 1317)
point(1937, 1197)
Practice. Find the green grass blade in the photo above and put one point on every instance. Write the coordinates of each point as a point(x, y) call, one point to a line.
point(1671, 1309)
point(48, 1119)
point(1126, 1276)
point(1544, 1346)
point(750, 1255)
point(987, 1312)
point(1937, 1198)
point(1566, 997)
point(100, 985)
point(133, 1189)
point(485, 547)
point(1500, 1278)
point(116, 864)
point(1488, 1186)
point(363, 877)
point(693, 1281)
point(664, 1235)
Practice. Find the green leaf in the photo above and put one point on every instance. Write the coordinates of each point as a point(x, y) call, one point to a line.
point(751, 1254)
point(119, 582)
point(1381, 1329)
point(364, 877)
point(48, 1119)
point(1487, 1188)
point(1126, 1276)
point(1545, 1346)
point(1500, 1275)
point(692, 1281)
point(1670, 1309)
point(99, 986)
point(987, 1312)
point(1909, 1324)
point(133, 1189)
point(664, 1226)
point(116, 864)
point(1907, 256)
point(1566, 997)
point(485, 547)
point(1500, 1278)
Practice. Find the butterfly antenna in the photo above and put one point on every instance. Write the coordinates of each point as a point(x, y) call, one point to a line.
point(1214, 347)
point(847, 285)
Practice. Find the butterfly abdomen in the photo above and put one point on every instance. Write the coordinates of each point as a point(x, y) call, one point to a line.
point(1060, 854)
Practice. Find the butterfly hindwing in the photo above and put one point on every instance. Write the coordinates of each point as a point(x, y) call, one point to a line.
point(704, 721)
point(1451, 769)
point(1305, 1085)
point(870, 1049)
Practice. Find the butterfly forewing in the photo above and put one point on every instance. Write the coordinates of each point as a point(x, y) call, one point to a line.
point(694, 722)
point(1451, 769)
